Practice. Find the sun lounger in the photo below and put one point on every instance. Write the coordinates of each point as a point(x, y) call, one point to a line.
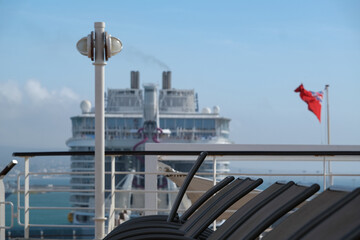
point(182, 218)
point(341, 222)
point(201, 219)
point(307, 213)
point(262, 211)
point(247, 223)
point(180, 195)
point(334, 214)
point(173, 219)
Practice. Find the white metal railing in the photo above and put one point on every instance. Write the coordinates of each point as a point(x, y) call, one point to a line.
point(3, 203)
point(218, 153)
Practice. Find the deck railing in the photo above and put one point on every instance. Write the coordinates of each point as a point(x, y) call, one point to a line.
point(326, 156)
point(3, 203)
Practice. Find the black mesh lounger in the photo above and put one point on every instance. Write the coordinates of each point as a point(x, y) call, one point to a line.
point(201, 219)
point(340, 221)
point(159, 237)
point(164, 218)
point(263, 210)
point(172, 221)
point(180, 195)
point(293, 226)
point(248, 222)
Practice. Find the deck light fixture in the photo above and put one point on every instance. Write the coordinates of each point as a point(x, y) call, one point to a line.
point(99, 46)
point(86, 46)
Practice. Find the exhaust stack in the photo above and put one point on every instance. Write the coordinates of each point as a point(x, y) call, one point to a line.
point(166, 80)
point(135, 80)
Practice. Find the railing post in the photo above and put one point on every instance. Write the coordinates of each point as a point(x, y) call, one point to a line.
point(111, 222)
point(331, 179)
point(26, 199)
point(2, 199)
point(324, 173)
point(214, 170)
point(214, 180)
point(150, 184)
point(2, 210)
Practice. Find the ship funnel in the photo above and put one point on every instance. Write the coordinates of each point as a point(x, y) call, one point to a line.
point(166, 80)
point(151, 110)
point(135, 79)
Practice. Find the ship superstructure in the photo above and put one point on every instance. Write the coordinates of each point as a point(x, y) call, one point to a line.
point(134, 116)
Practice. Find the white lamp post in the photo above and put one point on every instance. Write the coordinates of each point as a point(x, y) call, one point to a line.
point(99, 46)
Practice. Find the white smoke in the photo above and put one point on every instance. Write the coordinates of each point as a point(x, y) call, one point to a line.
point(148, 59)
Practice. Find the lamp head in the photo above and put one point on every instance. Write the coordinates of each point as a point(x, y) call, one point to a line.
point(112, 46)
point(86, 46)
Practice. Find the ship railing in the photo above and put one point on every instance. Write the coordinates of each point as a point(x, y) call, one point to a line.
point(325, 156)
point(3, 201)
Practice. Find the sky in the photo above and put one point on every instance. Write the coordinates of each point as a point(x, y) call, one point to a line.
point(247, 57)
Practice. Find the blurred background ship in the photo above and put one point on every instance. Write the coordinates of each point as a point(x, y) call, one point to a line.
point(134, 116)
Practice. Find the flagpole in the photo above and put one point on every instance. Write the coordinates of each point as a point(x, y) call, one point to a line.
point(327, 113)
point(328, 130)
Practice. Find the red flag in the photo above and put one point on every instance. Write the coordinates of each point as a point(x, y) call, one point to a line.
point(313, 99)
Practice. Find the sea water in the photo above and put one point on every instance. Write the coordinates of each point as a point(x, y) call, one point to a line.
point(53, 199)
point(41, 199)
point(44, 216)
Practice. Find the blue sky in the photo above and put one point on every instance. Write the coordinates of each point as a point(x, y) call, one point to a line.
point(245, 56)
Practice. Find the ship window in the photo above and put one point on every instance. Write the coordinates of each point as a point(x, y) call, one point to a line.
point(198, 123)
point(189, 123)
point(89, 123)
point(110, 123)
point(129, 123)
point(76, 123)
point(120, 123)
point(209, 124)
point(136, 123)
point(224, 125)
point(162, 123)
point(170, 123)
point(180, 123)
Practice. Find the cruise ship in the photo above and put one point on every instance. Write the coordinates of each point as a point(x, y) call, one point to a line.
point(133, 117)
